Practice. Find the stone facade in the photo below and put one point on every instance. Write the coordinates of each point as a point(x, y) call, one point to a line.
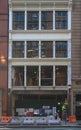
point(46, 90)
point(76, 56)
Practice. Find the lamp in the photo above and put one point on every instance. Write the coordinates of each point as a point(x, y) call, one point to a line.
point(2, 59)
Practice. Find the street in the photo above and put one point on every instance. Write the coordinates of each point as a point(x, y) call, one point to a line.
point(55, 128)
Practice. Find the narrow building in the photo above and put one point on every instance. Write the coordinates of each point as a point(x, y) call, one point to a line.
point(3, 56)
point(76, 59)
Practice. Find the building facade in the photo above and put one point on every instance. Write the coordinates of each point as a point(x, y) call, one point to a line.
point(39, 54)
point(3, 56)
point(76, 59)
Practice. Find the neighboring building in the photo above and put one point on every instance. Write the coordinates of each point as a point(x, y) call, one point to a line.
point(39, 53)
point(76, 59)
point(3, 56)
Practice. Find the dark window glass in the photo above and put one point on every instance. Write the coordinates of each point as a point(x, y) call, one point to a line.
point(18, 20)
point(33, 20)
point(17, 76)
point(61, 49)
point(32, 76)
point(46, 20)
point(61, 75)
point(46, 49)
point(47, 75)
point(18, 49)
point(61, 20)
point(32, 49)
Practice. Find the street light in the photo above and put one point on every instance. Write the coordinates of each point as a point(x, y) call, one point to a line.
point(2, 59)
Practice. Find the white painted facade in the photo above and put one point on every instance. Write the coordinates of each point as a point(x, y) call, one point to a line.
point(39, 35)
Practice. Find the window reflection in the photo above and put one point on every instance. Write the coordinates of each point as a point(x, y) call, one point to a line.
point(61, 20)
point(18, 49)
point(32, 76)
point(32, 49)
point(33, 20)
point(46, 75)
point(46, 49)
point(17, 76)
point(61, 75)
point(61, 49)
point(46, 20)
point(18, 20)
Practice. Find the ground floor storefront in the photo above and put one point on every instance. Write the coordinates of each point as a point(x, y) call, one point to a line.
point(37, 101)
point(23, 101)
point(77, 104)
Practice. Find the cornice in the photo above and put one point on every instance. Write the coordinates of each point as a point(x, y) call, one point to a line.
point(40, 3)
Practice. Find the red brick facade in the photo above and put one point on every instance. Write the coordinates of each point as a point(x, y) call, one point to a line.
point(4, 54)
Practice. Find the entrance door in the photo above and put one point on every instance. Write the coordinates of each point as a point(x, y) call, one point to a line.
point(78, 112)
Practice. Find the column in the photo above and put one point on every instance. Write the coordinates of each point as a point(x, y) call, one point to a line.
point(53, 19)
point(25, 20)
point(25, 76)
point(10, 19)
point(69, 74)
point(39, 49)
point(39, 75)
point(10, 49)
point(69, 19)
point(10, 75)
point(53, 76)
point(40, 20)
point(25, 50)
point(71, 102)
point(53, 49)
point(69, 48)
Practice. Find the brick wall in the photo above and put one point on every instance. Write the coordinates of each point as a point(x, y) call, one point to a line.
point(4, 52)
point(76, 39)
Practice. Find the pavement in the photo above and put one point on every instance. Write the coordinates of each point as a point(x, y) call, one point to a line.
point(76, 124)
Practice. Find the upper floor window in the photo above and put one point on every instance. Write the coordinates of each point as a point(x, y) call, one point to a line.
point(17, 75)
point(61, 49)
point(18, 49)
point(33, 20)
point(32, 49)
point(18, 20)
point(61, 20)
point(32, 75)
point(46, 75)
point(46, 49)
point(60, 75)
point(46, 20)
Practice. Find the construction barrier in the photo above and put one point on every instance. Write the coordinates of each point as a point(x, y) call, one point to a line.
point(5, 119)
point(72, 118)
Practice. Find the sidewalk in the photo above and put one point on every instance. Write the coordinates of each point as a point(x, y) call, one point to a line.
point(76, 124)
point(67, 123)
